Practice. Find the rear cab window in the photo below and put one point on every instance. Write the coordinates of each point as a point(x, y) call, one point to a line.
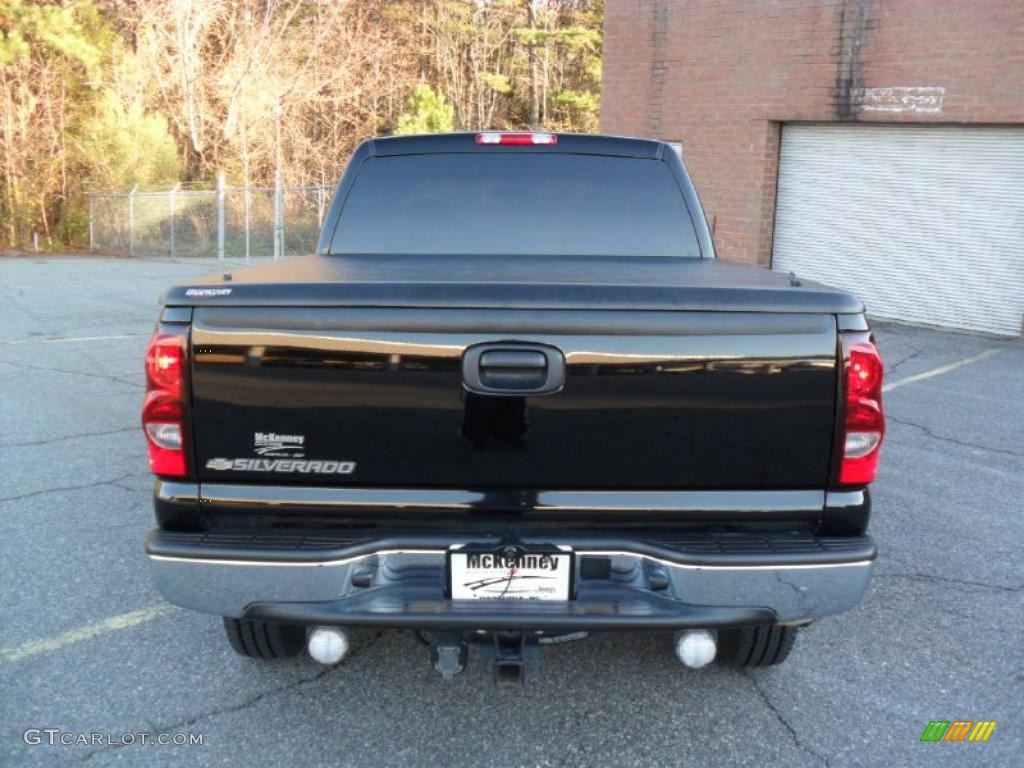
point(515, 204)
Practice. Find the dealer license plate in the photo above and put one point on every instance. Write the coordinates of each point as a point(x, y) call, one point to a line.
point(493, 575)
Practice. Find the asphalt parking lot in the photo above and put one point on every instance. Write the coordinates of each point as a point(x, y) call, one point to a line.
point(86, 644)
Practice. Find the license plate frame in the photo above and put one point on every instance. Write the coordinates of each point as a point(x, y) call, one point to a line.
point(490, 579)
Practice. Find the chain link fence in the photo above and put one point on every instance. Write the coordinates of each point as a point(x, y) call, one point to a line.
point(226, 222)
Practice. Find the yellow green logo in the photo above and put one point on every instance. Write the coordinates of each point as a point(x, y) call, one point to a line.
point(958, 730)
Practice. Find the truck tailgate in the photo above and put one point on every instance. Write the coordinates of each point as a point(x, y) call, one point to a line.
point(365, 396)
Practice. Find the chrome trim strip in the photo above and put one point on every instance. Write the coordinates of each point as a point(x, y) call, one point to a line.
point(177, 493)
point(441, 552)
point(683, 501)
point(839, 499)
point(293, 564)
point(543, 501)
point(287, 495)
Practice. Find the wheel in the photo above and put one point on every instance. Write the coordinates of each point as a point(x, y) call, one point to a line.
point(755, 646)
point(263, 640)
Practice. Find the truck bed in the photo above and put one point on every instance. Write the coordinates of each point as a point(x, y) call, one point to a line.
point(680, 373)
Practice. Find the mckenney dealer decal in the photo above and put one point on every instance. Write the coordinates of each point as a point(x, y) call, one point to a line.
point(273, 444)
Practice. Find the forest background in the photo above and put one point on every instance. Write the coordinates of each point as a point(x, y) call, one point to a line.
point(103, 95)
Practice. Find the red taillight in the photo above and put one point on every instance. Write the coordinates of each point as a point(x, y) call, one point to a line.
point(521, 139)
point(163, 413)
point(163, 363)
point(864, 425)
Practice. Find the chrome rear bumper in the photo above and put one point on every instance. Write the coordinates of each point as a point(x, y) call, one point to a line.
point(400, 582)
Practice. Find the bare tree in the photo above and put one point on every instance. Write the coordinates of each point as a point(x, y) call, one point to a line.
point(264, 89)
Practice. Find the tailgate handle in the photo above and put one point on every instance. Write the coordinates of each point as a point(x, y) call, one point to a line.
point(505, 369)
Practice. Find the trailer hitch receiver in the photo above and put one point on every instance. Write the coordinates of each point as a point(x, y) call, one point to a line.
point(514, 658)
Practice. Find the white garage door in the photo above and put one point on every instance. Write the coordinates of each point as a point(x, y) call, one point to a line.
point(924, 223)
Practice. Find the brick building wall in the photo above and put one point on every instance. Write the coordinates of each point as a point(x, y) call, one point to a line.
point(723, 75)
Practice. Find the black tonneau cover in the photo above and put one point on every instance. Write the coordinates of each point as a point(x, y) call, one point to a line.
point(495, 282)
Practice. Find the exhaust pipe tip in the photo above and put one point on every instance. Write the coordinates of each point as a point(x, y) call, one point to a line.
point(696, 648)
point(328, 645)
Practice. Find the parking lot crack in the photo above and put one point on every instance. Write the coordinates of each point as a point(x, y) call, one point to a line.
point(917, 576)
point(947, 439)
point(49, 369)
point(112, 481)
point(251, 701)
point(785, 723)
point(295, 685)
point(903, 360)
point(48, 440)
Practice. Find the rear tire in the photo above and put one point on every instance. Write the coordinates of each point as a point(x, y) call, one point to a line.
point(264, 640)
point(749, 647)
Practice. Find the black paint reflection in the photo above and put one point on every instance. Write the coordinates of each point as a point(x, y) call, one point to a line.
point(651, 413)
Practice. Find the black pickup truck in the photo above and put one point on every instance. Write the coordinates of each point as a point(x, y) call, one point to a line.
point(512, 399)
